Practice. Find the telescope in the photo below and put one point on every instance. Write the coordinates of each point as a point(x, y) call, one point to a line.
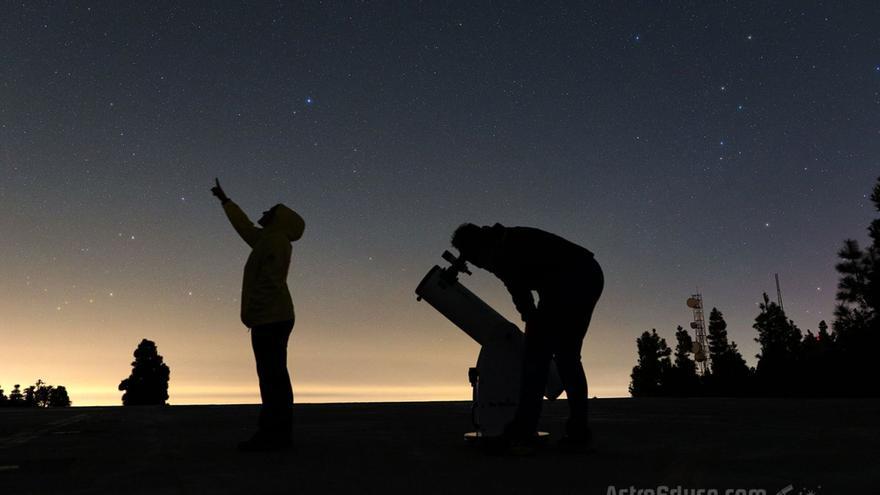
point(496, 377)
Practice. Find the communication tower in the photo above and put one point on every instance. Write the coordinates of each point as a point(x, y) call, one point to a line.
point(701, 346)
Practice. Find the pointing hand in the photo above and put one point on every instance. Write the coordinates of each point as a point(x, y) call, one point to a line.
point(218, 191)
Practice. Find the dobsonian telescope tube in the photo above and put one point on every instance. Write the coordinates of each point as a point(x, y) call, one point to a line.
point(441, 289)
point(498, 372)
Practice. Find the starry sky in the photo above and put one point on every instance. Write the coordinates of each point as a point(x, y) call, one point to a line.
point(690, 145)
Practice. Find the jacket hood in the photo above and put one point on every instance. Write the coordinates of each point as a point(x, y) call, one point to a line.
point(288, 222)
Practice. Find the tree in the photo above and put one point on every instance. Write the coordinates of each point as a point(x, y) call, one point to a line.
point(30, 397)
point(653, 367)
point(148, 382)
point(41, 393)
point(58, 397)
point(857, 315)
point(683, 380)
point(780, 341)
point(730, 374)
point(823, 335)
point(16, 399)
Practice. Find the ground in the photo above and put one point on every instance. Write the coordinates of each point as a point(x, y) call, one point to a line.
point(779, 446)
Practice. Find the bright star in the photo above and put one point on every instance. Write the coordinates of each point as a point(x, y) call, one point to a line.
point(309, 100)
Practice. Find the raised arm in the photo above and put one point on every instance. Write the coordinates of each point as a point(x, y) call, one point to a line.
point(239, 220)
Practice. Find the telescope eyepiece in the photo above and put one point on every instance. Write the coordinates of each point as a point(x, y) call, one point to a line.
point(456, 263)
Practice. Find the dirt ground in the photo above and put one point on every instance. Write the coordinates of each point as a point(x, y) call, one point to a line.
point(790, 447)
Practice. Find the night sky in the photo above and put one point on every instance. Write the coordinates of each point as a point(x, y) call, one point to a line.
point(690, 145)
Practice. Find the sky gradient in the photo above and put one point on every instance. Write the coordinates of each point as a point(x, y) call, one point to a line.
point(691, 147)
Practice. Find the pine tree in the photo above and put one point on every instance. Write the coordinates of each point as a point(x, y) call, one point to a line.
point(41, 393)
point(649, 374)
point(857, 315)
point(780, 341)
point(148, 382)
point(30, 399)
point(16, 399)
point(683, 379)
point(3, 399)
point(729, 373)
point(58, 397)
point(823, 335)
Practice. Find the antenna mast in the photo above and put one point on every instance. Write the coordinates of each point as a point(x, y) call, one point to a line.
point(779, 294)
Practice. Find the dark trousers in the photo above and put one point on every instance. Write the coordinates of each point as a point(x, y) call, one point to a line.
point(557, 331)
point(270, 350)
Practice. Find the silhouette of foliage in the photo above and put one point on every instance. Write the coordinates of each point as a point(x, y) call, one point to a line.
point(682, 379)
point(653, 367)
point(148, 382)
point(729, 372)
point(58, 397)
point(780, 341)
point(37, 395)
point(29, 396)
point(857, 315)
point(16, 399)
point(836, 362)
point(41, 393)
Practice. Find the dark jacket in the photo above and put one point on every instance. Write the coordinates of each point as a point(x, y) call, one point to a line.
point(528, 259)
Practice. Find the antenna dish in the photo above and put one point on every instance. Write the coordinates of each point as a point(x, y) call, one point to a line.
point(695, 325)
point(696, 348)
point(694, 303)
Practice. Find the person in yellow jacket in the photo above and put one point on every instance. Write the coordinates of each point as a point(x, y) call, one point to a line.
point(267, 309)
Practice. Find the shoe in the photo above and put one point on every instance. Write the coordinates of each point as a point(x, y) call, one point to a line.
point(263, 442)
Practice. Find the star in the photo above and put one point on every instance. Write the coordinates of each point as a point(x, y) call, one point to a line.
point(309, 100)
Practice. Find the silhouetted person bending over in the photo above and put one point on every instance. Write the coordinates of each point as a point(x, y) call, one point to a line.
point(568, 281)
point(267, 309)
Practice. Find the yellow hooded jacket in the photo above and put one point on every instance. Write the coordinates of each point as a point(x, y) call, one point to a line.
point(265, 297)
